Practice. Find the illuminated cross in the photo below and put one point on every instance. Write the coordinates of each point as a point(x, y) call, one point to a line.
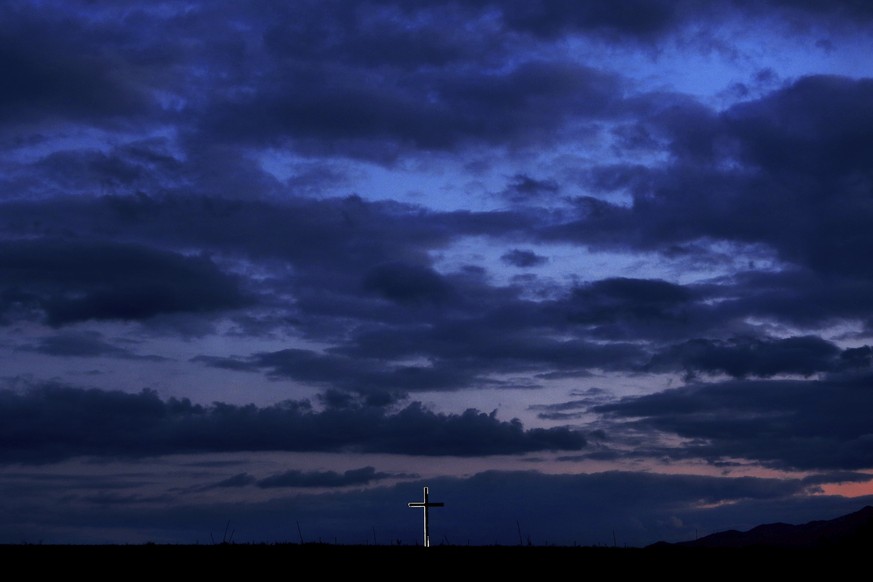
point(426, 505)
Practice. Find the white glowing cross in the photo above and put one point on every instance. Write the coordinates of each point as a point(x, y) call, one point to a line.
point(426, 505)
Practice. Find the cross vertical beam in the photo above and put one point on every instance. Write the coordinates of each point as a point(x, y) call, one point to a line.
point(426, 505)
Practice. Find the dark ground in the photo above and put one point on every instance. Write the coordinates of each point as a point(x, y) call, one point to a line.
point(294, 561)
point(836, 549)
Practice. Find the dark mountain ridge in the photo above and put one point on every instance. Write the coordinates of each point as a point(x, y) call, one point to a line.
point(851, 531)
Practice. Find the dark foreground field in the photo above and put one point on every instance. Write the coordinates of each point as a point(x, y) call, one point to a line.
point(231, 561)
point(836, 549)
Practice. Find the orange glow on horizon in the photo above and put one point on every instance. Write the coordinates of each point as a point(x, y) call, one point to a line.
point(849, 489)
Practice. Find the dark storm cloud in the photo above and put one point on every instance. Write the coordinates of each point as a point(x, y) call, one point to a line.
point(341, 259)
point(124, 172)
point(825, 119)
point(70, 281)
point(407, 283)
point(50, 74)
point(628, 309)
point(498, 341)
point(523, 258)
point(358, 115)
point(146, 165)
point(785, 172)
point(524, 188)
point(379, 35)
point(238, 480)
point(326, 85)
point(334, 239)
point(50, 422)
point(640, 19)
point(138, 167)
point(790, 424)
point(574, 409)
point(464, 352)
point(83, 345)
point(847, 12)
point(813, 140)
point(638, 298)
point(423, 96)
point(801, 298)
point(839, 477)
point(349, 265)
point(359, 375)
point(362, 476)
point(648, 21)
point(742, 357)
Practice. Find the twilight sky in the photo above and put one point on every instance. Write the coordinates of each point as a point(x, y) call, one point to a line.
point(595, 272)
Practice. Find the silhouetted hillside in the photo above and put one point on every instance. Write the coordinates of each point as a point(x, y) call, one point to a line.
point(854, 530)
